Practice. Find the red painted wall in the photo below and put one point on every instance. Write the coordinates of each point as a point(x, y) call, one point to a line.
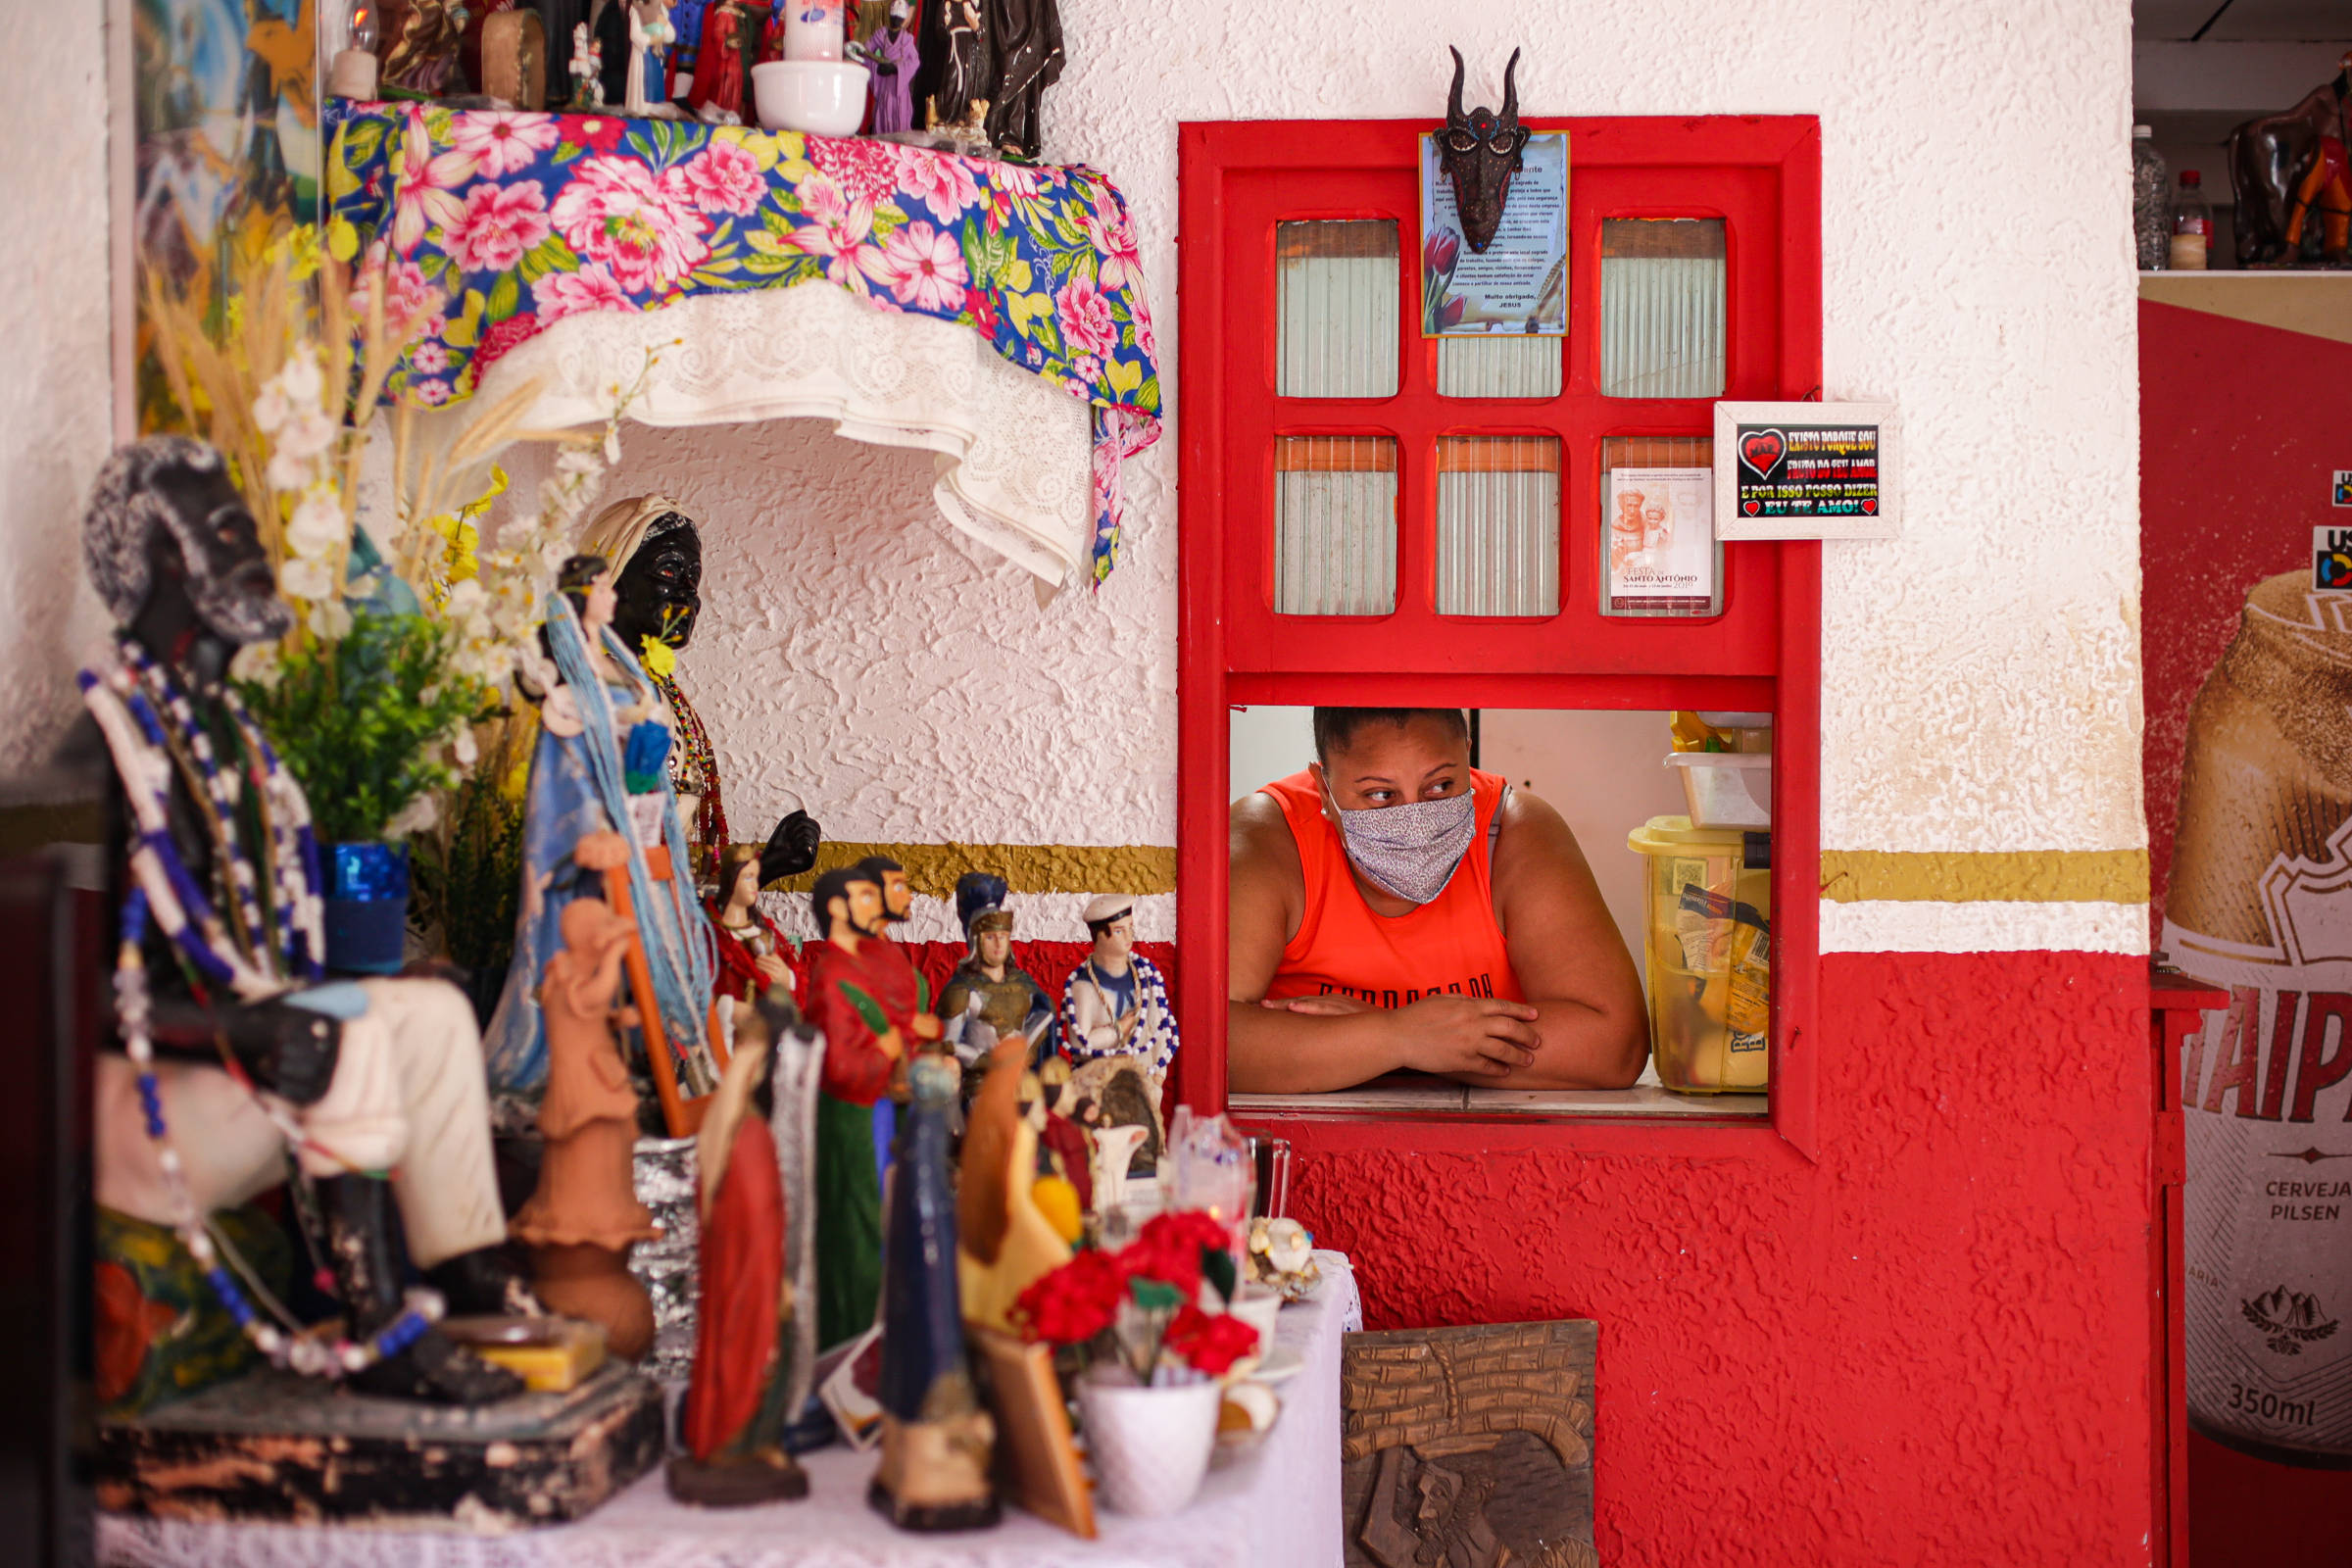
point(1931, 1347)
point(2240, 428)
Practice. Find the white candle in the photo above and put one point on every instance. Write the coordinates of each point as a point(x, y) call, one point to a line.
point(813, 28)
point(353, 74)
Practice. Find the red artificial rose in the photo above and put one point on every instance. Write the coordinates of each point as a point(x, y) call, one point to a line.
point(1194, 1225)
point(1075, 1302)
point(1169, 1248)
point(1211, 1344)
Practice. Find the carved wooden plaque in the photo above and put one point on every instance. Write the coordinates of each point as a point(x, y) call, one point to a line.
point(1469, 1447)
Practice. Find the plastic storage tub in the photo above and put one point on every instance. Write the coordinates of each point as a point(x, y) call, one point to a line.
point(1708, 946)
point(1726, 788)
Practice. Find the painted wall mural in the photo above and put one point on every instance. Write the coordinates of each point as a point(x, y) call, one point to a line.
point(225, 118)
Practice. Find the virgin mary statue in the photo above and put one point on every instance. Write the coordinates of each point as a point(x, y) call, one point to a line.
point(602, 765)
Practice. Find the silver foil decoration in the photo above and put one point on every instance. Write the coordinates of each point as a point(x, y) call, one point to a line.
point(668, 1184)
point(799, 1065)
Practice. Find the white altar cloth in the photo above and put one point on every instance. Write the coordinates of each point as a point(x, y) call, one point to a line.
point(1276, 1506)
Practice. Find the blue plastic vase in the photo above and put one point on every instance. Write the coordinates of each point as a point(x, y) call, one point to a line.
point(367, 908)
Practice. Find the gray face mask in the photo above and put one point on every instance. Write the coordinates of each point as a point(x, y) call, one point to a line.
point(1411, 850)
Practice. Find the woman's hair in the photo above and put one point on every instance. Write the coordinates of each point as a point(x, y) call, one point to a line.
point(574, 579)
point(577, 576)
point(731, 861)
point(1336, 728)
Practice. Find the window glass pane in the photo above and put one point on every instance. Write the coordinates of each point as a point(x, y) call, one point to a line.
point(1658, 555)
point(1499, 525)
point(1662, 308)
point(1337, 309)
point(1498, 367)
point(1334, 524)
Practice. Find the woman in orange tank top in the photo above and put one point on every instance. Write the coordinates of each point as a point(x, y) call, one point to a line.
point(1394, 908)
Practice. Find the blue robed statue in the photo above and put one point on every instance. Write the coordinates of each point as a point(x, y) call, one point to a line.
point(600, 766)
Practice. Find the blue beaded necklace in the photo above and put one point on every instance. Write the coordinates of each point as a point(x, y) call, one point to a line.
point(145, 749)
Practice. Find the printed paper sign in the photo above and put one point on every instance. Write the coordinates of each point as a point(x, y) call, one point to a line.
point(2330, 559)
point(2342, 487)
point(1661, 541)
point(1518, 285)
point(1804, 470)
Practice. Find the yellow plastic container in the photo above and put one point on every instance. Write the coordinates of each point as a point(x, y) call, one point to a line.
point(1708, 946)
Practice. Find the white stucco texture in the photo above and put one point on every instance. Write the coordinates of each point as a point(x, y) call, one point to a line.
point(1981, 684)
point(55, 400)
point(1981, 675)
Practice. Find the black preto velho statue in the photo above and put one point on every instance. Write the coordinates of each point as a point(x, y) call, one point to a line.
point(1478, 152)
point(656, 548)
point(386, 1079)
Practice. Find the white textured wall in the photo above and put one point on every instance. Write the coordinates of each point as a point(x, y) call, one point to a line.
point(1982, 675)
point(55, 403)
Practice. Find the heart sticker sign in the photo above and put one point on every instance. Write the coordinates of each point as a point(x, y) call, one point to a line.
point(1805, 471)
point(1762, 451)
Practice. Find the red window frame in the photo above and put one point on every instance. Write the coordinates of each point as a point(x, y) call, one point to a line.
point(1762, 176)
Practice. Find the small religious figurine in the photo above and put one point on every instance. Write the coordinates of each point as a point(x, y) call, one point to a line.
point(645, 90)
point(1115, 1096)
point(751, 946)
point(608, 22)
point(377, 1084)
point(1063, 1140)
point(1009, 1242)
point(722, 64)
point(898, 908)
point(957, 37)
point(656, 549)
point(988, 997)
point(865, 998)
point(2285, 167)
point(1024, 43)
point(602, 764)
point(746, 1367)
point(1116, 1004)
point(937, 1440)
point(421, 60)
point(891, 59)
point(584, 1218)
point(587, 92)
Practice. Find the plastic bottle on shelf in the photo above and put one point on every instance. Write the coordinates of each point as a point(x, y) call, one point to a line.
point(2151, 193)
point(2193, 224)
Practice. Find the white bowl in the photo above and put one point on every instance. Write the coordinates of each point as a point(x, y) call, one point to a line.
point(823, 97)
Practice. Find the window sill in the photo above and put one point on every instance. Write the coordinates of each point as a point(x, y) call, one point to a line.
point(1398, 1097)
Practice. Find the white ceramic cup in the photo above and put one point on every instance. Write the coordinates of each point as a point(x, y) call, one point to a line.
point(822, 97)
point(1257, 1306)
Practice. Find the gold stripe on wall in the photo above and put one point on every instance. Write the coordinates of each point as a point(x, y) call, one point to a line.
point(932, 868)
point(2012, 876)
point(1847, 876)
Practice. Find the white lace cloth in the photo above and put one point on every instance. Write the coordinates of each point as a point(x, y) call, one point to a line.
point(1277, 1504)
point(1014, 452)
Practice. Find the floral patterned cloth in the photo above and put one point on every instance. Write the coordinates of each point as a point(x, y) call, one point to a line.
point(515, 221)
